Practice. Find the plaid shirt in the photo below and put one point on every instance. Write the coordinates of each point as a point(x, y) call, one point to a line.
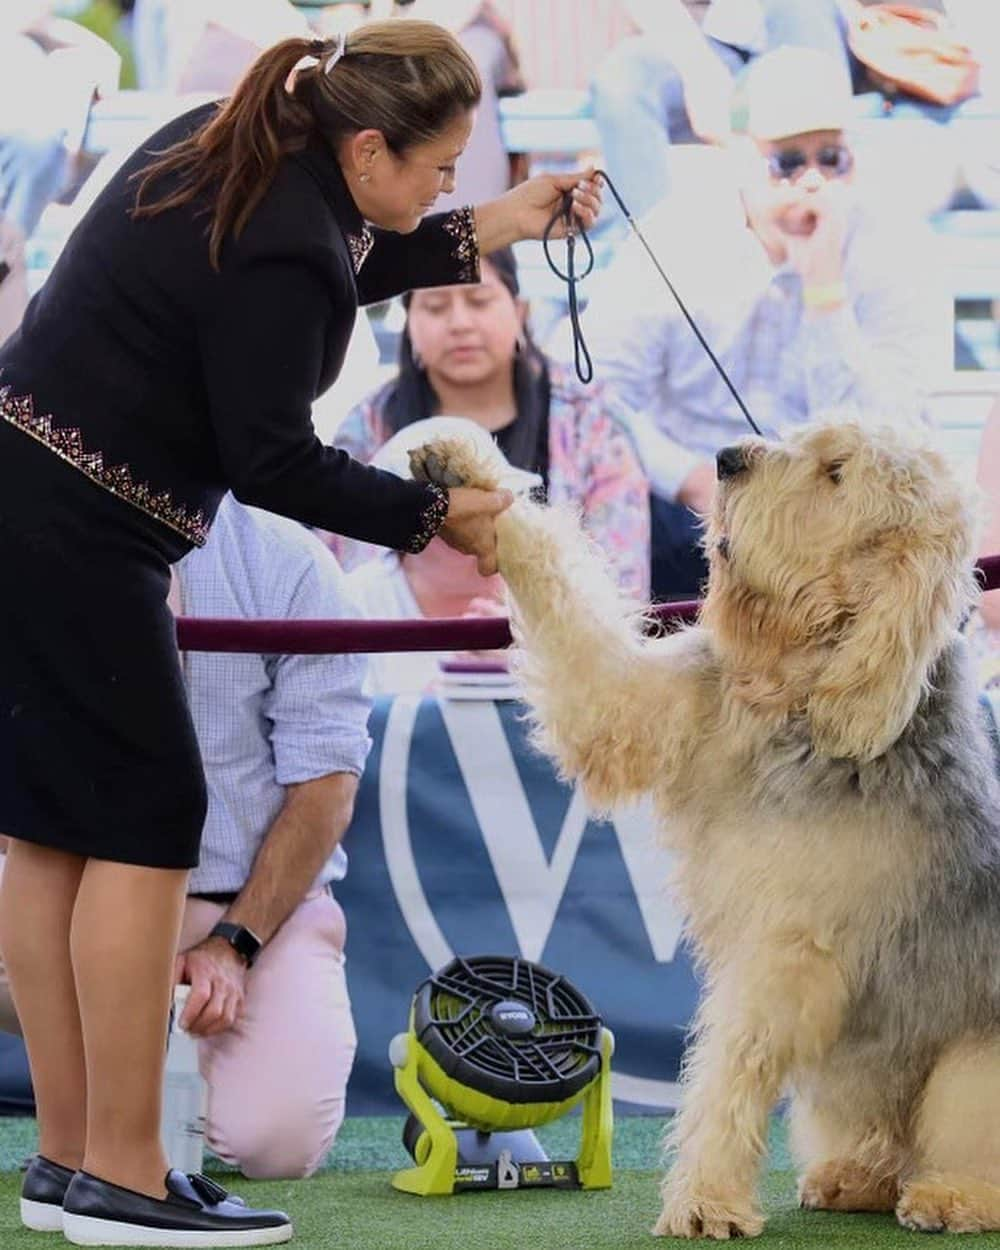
point(266, 721)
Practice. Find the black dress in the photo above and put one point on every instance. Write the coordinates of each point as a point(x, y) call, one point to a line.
point(141, 386)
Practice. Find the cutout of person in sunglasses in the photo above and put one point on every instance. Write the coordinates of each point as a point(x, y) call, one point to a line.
point(815, 305)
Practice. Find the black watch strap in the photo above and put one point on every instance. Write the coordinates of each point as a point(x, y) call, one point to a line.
point(244, 941)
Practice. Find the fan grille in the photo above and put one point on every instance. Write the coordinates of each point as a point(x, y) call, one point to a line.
point(555, 1060)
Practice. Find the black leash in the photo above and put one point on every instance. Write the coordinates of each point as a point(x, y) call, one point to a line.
point(581, 356)
point(582, 360)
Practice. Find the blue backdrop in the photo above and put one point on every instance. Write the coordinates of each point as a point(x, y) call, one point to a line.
point(465, 842)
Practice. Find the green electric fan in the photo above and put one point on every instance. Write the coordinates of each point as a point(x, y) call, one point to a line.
point(496, 1047)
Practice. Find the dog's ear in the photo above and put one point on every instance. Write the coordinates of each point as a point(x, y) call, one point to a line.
point(907, 594)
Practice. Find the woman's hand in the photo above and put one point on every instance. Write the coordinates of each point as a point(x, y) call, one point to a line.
point(525, 212)
point(470, 525)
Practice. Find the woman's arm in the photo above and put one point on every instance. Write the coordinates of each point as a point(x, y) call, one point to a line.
point(443, 251)
point(263, 340)
point(264, 329)
point(445, 248)
point(525, 211)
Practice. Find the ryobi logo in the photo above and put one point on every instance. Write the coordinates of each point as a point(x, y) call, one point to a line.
point(512, 1019)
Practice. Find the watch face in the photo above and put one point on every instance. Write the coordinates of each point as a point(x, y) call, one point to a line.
point(241, 939)
point(246, 944)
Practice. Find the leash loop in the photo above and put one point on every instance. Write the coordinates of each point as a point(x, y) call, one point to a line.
point(581, 356)
point(582, 359)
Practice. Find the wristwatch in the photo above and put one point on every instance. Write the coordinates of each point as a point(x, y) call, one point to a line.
point(244, 941)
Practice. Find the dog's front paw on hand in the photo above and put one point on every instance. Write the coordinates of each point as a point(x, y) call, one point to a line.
point(454, 462)
point(715, 1219)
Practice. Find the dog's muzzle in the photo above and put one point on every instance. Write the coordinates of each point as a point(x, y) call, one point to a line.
point(730, 461)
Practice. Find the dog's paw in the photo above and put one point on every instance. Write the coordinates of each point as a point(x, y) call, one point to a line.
point(712, 1218)
point(841, 1185)
point(455, 462)
point(951, 1205)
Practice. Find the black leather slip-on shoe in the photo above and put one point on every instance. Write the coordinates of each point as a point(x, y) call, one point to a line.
point(42, 1192)
point(195, 1213)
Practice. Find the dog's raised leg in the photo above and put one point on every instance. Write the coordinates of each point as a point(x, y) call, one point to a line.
point(779, 1007)
point(596, 691)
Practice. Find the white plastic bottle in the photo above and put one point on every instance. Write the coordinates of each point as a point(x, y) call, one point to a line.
point(184, 1095)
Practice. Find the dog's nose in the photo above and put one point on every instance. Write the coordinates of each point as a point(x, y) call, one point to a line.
point(729, 462)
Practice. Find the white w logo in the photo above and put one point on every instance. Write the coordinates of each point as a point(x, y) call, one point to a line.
point(532, 885)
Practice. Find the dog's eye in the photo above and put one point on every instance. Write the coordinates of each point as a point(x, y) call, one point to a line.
point(833, 471)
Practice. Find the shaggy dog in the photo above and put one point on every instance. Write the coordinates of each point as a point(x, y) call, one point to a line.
point(816, 757)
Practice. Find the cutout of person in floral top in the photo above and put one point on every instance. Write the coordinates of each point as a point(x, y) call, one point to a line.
point(468, 351)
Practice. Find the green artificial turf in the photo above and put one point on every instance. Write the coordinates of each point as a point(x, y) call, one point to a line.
point(350, 1205)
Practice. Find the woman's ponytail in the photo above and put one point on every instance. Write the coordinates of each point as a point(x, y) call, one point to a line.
point(238, 152)
point(407, 79)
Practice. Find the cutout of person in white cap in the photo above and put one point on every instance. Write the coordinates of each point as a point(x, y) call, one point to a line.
point(815, 304)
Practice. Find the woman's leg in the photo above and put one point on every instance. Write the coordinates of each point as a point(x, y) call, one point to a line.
point(124, 935)
point(37, 897)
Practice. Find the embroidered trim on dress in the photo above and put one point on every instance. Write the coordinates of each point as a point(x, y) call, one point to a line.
point(461, 225)
point(359, 245)
point(67, 443)
point(431, 519)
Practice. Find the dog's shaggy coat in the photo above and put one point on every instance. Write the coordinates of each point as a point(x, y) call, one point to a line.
point(815, 752)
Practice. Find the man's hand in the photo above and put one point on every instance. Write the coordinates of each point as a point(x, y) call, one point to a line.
point(819, 254)
point(698, 488)
point(217, 976)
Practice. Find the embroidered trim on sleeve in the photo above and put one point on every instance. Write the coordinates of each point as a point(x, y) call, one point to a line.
point(461, 225)
point(430, 521)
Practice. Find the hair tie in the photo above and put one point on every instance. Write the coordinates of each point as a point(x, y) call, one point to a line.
point(337, 53)
point(317, 47)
